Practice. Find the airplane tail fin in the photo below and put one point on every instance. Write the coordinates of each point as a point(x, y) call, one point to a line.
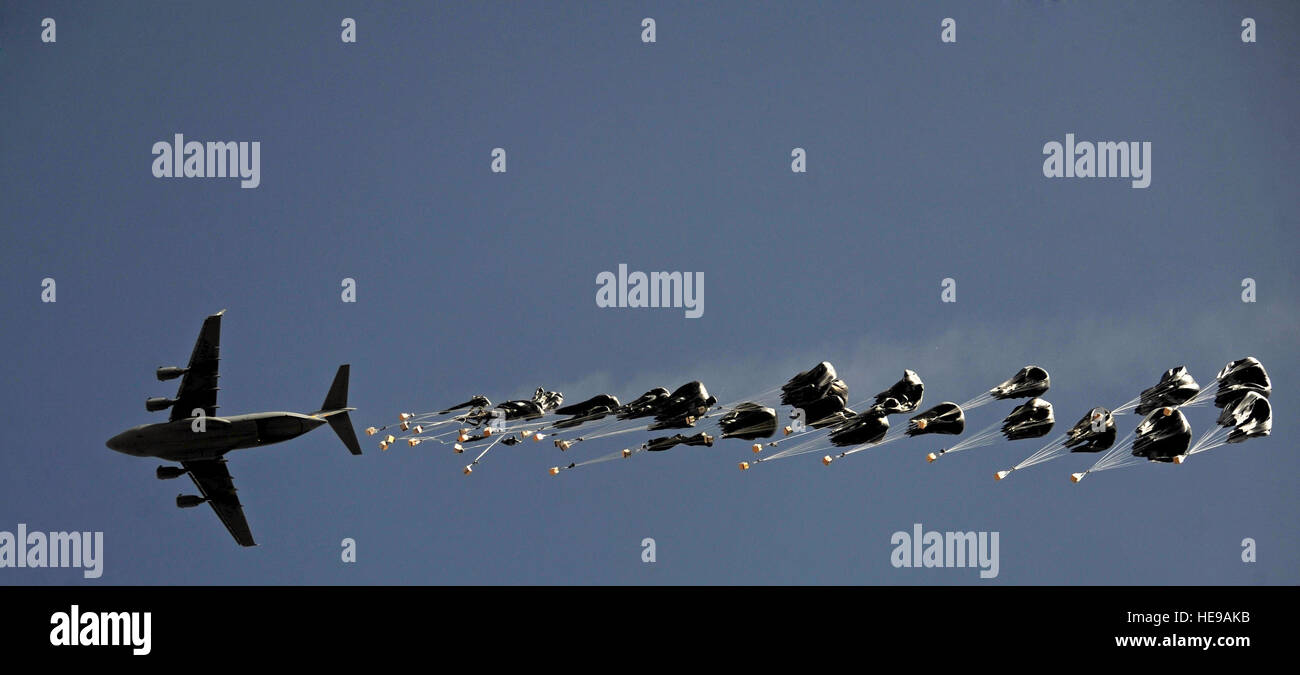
point(335, 411)
point(342, 425)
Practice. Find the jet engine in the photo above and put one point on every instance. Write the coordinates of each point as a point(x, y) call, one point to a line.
point(157, 403)
point(188, 501)
point(169, 372)
point(168, 472)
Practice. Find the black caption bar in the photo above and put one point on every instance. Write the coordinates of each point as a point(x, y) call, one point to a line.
point(243, 624)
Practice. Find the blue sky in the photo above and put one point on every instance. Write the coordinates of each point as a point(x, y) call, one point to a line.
point(924, 163)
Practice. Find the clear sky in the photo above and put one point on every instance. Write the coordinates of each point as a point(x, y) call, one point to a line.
point(924, 162)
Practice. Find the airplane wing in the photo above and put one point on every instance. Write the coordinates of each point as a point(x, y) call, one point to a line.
point(214, 481)
point(199, 384)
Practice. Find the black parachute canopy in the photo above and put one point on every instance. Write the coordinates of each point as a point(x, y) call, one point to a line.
point(1030, 419)
point(1162, 435)
point(817, 412)
point(666, 442)
point(749, 421)
point(906, 395)
point(479, 401)
point(542, 402)
point(589, 406)
point(690, 400)
point(548, 400)
point(645, 405)
point(945, 418)
point(861, 429)
point(1239, 377)
point(594, 408)
point(1250, 417)
point(1030, 381)
point(1175, 388)
point(1095, 432)
point(811, 384)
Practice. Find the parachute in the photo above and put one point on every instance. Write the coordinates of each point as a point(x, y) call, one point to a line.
point(820, 418)
point(541, 403)
point(665, 442)
point(903, 397)
point(1163, 435)
point(644, 405)
point(1031, 419)
point(1251, 416)
point(1239, 377)
point(1175, 388)
point(1031, 381)
point(602, 403)
point(475, 402)
point(1230, 384)
point(749, 421)
point(1094, 432)
point(810, 385)
point(945, 418)
point(824, 411)
point(862, 429)
point(1028, 382)
point(820, 394)
point(690, 402)
point(681, 409)
point(590, 410)
point(844, 427)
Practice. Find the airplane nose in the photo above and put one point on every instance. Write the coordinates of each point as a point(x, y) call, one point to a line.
point(115, 443)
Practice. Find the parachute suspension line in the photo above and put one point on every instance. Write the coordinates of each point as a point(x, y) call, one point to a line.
point(890, 437)
point(1119, 463)
point(802, 448)
point(1046, 453)
point(621, 454)
point(607, 434)
point(978, 401)
point(605, 458)
point(491, 445)
point(1212, 438)
point(1131, 405)
point(986, 436)
point(413, 420)
point(1206, 393)
point(817, 445)
point(469, 468)
point(609, 422)
point(1119, 456)
point(859, 448)
point(760, 397)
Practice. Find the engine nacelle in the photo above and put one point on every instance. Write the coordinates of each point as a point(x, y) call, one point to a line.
point(168, 472)
point(188, 501)
point(158, 403)
point(169, 372)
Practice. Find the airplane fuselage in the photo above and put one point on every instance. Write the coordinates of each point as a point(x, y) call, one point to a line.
point(179, 441)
